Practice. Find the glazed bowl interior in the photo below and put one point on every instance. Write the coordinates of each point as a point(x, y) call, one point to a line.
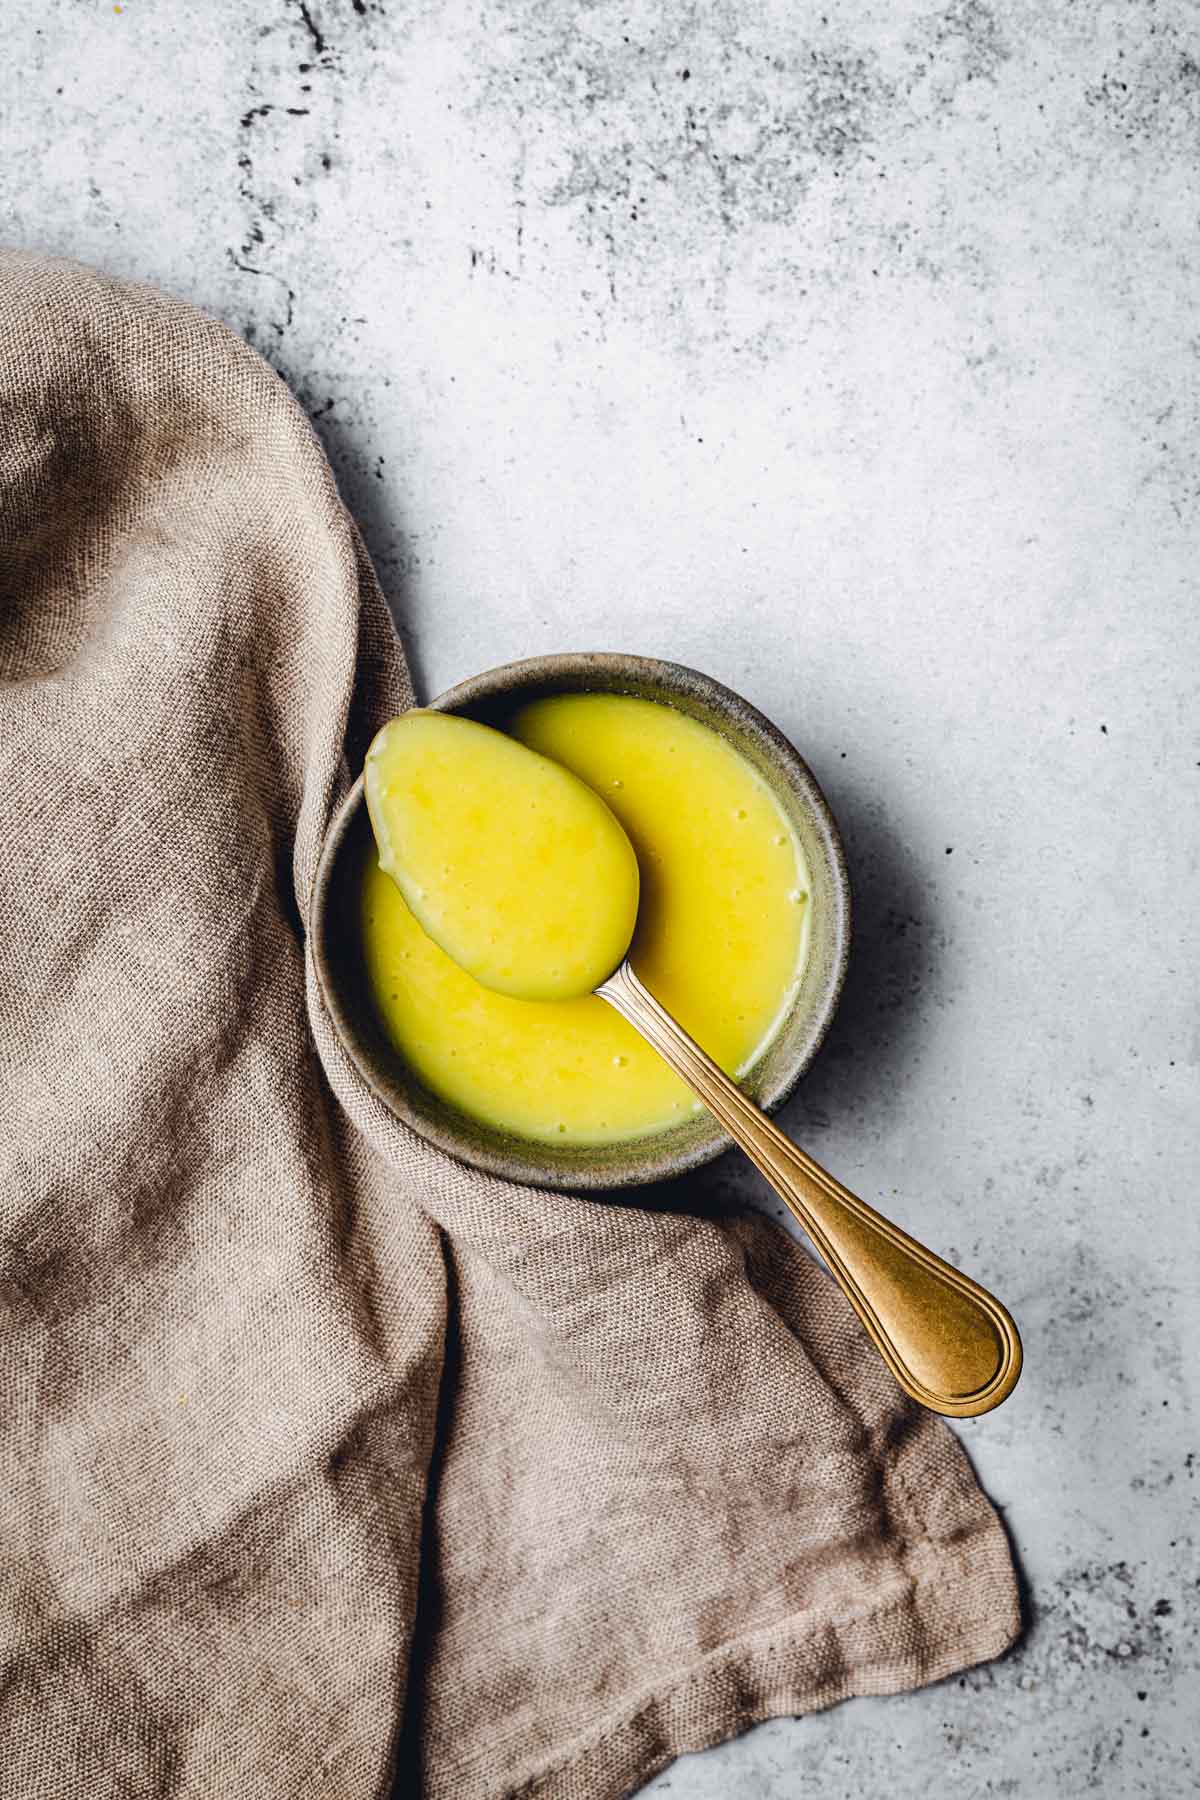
point(492, 698)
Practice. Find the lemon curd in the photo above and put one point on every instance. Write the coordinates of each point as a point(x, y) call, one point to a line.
point(470, 824)
point(721, 935)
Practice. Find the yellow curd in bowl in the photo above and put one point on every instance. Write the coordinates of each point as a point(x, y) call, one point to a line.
point(721, 935)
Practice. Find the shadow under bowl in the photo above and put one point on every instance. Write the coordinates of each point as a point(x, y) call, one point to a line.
point(492, 698)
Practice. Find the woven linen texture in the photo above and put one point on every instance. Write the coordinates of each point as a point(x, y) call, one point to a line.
point(327, 1464)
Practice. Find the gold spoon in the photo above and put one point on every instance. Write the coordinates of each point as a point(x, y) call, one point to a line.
point(464, 871)
point(949, 1343)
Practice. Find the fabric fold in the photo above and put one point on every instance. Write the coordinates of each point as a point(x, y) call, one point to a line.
point(331, 1466)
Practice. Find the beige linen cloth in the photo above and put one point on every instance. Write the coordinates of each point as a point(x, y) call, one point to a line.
point(325, 1463)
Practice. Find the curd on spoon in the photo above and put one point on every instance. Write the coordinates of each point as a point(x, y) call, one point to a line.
point(510, 863)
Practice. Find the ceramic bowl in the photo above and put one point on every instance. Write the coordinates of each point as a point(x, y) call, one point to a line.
point(492, 698)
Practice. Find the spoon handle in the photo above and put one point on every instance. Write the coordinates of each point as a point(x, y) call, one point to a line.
point(948, 1342)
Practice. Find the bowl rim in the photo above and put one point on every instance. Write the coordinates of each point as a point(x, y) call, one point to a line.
point(520, 1164)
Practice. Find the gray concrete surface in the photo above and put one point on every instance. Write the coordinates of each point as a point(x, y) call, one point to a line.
point(851, 355)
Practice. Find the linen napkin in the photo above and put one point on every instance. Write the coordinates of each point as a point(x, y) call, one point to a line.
point(330, 1467)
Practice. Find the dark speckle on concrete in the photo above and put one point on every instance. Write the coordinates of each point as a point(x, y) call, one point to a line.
point(311, 27)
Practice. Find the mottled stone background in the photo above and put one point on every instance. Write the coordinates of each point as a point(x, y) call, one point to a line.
point(851, 355)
